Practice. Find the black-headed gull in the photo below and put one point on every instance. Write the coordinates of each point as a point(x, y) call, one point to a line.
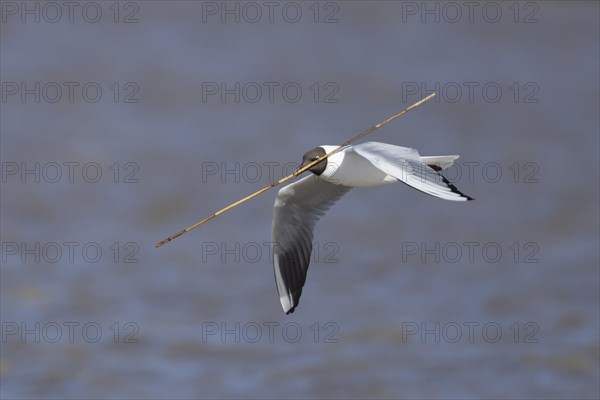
point(299, 205)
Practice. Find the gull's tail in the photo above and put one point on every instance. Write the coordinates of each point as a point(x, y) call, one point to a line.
point(439, 163)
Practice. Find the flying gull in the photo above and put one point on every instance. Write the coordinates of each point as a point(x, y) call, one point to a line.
point(301, 204)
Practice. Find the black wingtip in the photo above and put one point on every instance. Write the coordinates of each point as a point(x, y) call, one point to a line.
point(454, 189)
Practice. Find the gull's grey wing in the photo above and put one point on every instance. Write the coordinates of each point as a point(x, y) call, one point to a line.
point(406, 165)
point(297, 209)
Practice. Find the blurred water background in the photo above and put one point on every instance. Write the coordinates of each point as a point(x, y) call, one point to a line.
point(408, 296)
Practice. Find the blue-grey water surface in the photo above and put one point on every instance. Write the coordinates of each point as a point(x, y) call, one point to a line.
point(408, 296)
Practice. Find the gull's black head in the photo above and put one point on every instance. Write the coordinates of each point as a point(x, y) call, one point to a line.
point(313, 155)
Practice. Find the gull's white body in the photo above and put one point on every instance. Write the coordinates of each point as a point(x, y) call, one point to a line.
point(299, 205)
point(347, 168)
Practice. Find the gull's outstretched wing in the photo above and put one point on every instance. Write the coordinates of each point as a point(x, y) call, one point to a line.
point(406, 165)
point(297, 209)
